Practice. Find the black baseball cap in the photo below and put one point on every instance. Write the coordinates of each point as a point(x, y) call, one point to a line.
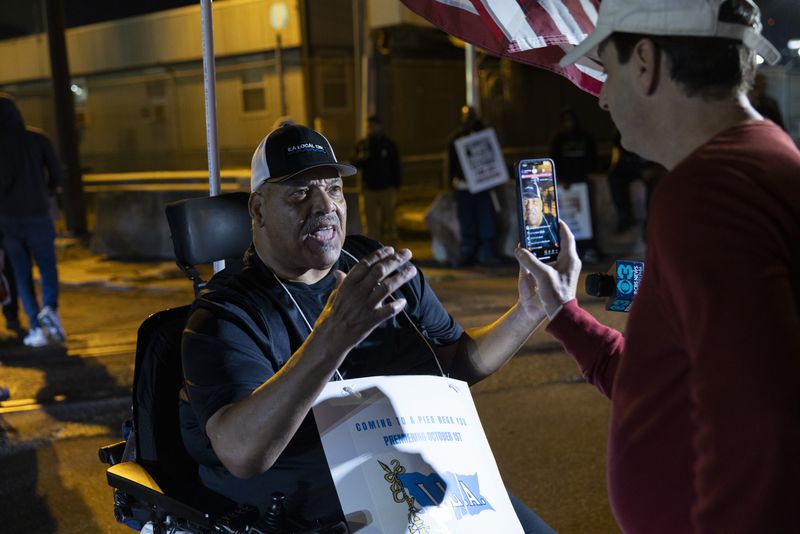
point(289, 150)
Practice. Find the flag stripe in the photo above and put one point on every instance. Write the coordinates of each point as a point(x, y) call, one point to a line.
point(466, 5)
point(588, 10)
point(510, 17)
point(491, 21)
point(564, 20)
point(536, 32)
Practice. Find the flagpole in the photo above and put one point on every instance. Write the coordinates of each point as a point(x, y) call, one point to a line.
point(474, 99)
point(473, 88)
point(210, 86)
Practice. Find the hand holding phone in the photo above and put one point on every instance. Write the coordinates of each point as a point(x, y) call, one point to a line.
point(537, 207)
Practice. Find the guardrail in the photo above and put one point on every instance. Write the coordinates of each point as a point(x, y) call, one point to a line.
point(128, 207)
point(196, 181)
point(232, 180)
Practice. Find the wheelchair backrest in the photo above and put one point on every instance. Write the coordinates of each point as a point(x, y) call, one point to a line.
point(208, 229)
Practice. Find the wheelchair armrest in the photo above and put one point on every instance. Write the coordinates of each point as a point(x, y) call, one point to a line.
point(132, 478)
point(196, 503)
point(112, 454)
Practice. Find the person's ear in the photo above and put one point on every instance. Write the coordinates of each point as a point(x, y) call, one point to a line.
point(255, 204)
point(646, 59)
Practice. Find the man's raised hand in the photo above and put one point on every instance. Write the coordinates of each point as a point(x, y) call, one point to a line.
point(360, 301)
point(555, 285)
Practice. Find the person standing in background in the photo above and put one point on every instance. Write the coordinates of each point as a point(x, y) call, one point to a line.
point(765, 104)
point(8, 293)
point(575, 154)
point(475, 211)
point(626, 168)
point(377, 159)
point(30, 172)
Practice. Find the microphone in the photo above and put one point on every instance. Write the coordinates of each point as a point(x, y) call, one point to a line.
point(620, 286)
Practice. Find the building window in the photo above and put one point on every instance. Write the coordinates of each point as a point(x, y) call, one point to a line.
point(156, 93)
point(335, 87)
point(254, 94)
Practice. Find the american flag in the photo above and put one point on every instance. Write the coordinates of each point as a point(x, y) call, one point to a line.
point(537, 32)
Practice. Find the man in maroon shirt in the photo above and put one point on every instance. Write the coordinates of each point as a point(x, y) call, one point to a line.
point(705, 424)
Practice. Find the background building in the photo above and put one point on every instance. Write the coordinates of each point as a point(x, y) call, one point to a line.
point(138, 84)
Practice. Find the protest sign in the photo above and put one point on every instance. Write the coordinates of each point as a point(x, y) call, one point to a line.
point(408, 454)
point(575, 210)
point(481, 160)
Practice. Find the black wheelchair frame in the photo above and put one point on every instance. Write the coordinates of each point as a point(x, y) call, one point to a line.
point(153, 477)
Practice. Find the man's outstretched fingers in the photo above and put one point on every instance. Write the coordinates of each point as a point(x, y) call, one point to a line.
point(395, 307)
point(392, 283)
point(386, 311)
point(383, 268)
point(365, 265)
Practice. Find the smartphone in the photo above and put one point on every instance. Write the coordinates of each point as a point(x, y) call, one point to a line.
point(537, 207)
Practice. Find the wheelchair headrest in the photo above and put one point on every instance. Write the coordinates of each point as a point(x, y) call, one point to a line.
point(208, 229)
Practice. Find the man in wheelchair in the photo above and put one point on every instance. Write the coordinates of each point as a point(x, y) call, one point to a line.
point(307, 307)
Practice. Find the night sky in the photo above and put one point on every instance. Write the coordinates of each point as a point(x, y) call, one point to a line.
point(23, 17)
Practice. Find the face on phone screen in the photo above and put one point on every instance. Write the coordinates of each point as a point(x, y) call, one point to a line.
point(536, 184)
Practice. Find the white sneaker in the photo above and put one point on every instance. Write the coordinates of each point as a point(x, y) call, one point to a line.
point(35, 338)
point(49, 319)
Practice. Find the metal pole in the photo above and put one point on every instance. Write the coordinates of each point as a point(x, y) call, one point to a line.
point(474, 98)
point(366, 53)
point(473, 88)
point(358, 45)
point(210, 90)
point(72, 188)
point(279, 72)
point(307, 65)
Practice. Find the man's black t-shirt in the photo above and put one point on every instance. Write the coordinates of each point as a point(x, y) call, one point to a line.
point(241, 332)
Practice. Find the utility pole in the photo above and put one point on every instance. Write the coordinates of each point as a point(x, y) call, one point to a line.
point(72, 188)
point(278, 18)
point(359, 70)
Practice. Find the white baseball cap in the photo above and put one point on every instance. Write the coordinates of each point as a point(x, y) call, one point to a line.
point(290, 150)
point(690, 18)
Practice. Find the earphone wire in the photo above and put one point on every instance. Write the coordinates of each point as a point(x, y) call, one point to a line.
point(299, 309)
point(405, 314)
point(413, 325)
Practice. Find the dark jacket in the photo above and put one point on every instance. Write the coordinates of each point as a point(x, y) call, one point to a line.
point(29, 168)
point(377, 158)
point(574, 154)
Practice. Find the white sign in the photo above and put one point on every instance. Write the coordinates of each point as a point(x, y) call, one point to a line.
point(481, 160)
point(408, 454)
point(575, 210)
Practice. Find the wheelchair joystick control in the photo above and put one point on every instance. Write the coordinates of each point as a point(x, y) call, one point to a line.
point(275, 518)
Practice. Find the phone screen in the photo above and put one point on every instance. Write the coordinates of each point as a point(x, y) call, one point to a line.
point(538, 207)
